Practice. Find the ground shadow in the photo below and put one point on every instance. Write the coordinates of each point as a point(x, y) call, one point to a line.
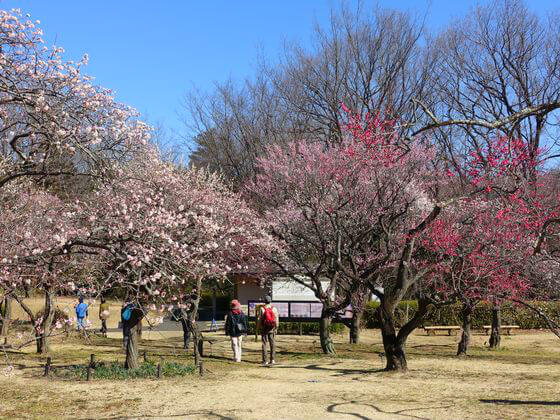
point(520, 402)
point(335, 370)
point(208, 414)
point(352, 405)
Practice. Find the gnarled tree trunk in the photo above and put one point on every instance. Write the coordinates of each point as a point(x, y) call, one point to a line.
point(495, 337)
point(393, 343)
point(463, 346)
point(394, 348)
point(192, 315)
point(132, 352)
point(324, 334)
point(6, 316)
point(131, 361)
point(46, 323)
point(355, 327)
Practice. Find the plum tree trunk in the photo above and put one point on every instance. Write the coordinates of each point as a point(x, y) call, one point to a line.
point(139, 329)
point(495, 337)
point(6, 316)
point(131, 361)
point(392, 344)
point(136, 316)
point(192, 316)
point(355, 327)
point(463, 346)
point(324, 334)
point(46, 323)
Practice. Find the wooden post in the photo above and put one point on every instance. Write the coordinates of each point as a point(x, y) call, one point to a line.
point(89, 373)
point(145, 356)
point(201, 369)
point(201, 347)
point(159, 370)
point(92, 360)
point(48, 366)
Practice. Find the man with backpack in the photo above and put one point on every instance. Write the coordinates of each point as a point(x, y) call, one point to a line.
point(236, 328)
point(267, 323)
point(126, 314)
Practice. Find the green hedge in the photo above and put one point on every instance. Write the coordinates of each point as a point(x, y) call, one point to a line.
point(482, 315)
point(306, 328)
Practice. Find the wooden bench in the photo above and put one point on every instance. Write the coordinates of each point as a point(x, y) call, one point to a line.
point(506, 328)
point(449, 328)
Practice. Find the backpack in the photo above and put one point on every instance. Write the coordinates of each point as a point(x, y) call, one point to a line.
point(268, 319)
point(238, 324)
point(127, 313)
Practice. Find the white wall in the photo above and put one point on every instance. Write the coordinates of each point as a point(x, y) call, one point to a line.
point(292, 290)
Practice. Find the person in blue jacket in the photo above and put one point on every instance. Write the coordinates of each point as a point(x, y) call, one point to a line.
point(81, 313)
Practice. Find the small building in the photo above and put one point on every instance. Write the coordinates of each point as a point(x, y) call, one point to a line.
point(293, 300)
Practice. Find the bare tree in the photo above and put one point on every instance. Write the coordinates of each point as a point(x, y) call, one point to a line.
point(497, 74)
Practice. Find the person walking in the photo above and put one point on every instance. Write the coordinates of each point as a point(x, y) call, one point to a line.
point(126, 313)
point(236, 328)
point(267, 323)
point(103, 315)
point(180, 315)
point(81, 313)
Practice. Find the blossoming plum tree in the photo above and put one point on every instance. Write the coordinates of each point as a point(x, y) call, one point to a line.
point(53, 121)
point(161, 231)
point(356, 213)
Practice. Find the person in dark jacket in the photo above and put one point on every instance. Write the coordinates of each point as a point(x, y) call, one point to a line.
point(236, 328)
point(181, 316)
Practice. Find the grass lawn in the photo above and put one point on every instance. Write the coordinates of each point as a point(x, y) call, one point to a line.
point(521, 380)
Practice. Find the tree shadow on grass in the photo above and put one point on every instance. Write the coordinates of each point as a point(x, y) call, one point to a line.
point(352, 405)
point(335, 370)
point(208, 414)
point(519, 402)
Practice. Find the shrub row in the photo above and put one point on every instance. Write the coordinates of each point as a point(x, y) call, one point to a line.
point(451, 314)
point(115, 370)
point(306, 328)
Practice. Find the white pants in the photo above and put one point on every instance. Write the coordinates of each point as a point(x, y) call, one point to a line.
point(236, 347)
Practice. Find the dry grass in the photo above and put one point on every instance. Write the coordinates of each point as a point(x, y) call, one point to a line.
point(518, 381)
point(67, 304)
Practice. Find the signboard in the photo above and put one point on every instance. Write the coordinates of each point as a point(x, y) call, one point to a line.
point(316, 309)
point(300, 310)
point(252, 308)
point(283, 309)
point(296, 311)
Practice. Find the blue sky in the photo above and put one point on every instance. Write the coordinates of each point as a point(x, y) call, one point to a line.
point(152, 52)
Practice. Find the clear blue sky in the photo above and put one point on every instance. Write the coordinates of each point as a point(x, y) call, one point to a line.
point(152, 52)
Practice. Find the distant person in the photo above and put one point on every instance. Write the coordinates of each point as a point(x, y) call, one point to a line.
point(236, 328)
point(180, 316)
point(81, 313)
point(103, 315)
point(267, 323)
point(126, 314)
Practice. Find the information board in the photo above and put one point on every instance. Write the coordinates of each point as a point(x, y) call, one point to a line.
point(300, 310)
point(316, 309)
point(283, 309)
